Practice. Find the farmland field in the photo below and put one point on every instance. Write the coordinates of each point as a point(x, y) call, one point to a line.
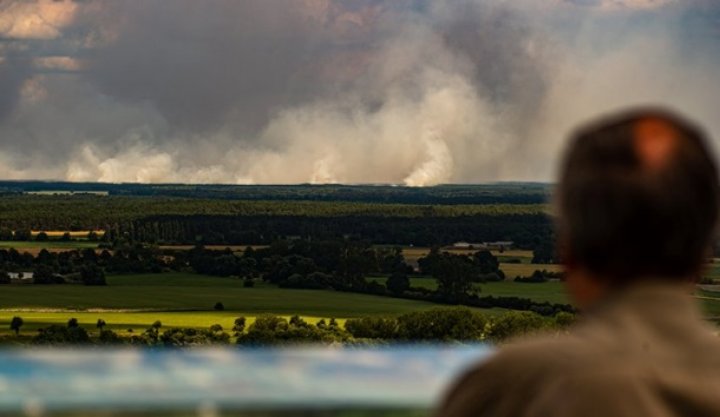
point(182, 300)
point(181, 291)
point(525, 270)
point(51, 245)
point(128, 323)
point(187, 300)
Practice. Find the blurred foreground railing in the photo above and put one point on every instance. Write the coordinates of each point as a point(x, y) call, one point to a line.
point(218, 382)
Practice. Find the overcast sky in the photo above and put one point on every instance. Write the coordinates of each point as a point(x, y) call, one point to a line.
point(418, 92)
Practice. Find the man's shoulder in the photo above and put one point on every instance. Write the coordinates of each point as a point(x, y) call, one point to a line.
point(528, 375)
point(539, 357)
point(590, 363)
point(515, 371)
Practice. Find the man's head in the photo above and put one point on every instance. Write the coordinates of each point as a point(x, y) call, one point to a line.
point(638, 199)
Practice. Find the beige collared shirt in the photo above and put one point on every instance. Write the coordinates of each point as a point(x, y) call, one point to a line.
point(644, 352)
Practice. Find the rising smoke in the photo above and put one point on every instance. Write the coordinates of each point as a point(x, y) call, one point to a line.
point(371, 91)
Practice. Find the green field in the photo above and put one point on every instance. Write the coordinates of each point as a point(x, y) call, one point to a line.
point(181, 291)
point(187, 300)
point(181, 300)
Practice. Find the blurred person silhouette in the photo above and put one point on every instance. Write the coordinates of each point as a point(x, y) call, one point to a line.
point(637, 206)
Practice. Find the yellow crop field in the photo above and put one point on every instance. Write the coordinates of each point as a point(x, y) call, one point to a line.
point(75, 234)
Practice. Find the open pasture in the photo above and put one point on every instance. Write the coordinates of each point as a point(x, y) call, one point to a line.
point(183, 292)
point(525, 270)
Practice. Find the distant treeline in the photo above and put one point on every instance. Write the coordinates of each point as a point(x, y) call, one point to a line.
point(526, 231)
point(501, 193)
point(190, 221)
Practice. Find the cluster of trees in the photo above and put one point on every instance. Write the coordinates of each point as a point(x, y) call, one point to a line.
point(335, 264)
point(56, 334)
point(440, 325)
point(54, 268)
point(85, 266)
point(456, 274)
point(273, 330)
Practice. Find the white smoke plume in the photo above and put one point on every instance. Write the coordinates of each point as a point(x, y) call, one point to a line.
point(328, 91)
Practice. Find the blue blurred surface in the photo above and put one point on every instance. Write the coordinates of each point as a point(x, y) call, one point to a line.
point(38, 382)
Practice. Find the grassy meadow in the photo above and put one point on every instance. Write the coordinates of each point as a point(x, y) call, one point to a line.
point(182, 300)
point(185, 291)
point(187, 300)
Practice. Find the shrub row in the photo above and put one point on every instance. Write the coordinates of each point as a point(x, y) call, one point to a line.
point(449, 325)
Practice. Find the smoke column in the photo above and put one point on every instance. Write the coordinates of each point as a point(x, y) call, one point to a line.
point(413, 92)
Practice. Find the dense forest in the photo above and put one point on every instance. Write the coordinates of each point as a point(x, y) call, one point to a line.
point(501, 193)
point(172, 220)
point(527, 231)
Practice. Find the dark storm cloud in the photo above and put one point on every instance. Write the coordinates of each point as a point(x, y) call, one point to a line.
point(13, 72)
point(197, 62)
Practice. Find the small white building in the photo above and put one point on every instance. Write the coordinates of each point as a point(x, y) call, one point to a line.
point(21, 277)
point(467, 245)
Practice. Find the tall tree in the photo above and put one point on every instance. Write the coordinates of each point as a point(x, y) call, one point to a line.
point(15, 324)
point(455, 276)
